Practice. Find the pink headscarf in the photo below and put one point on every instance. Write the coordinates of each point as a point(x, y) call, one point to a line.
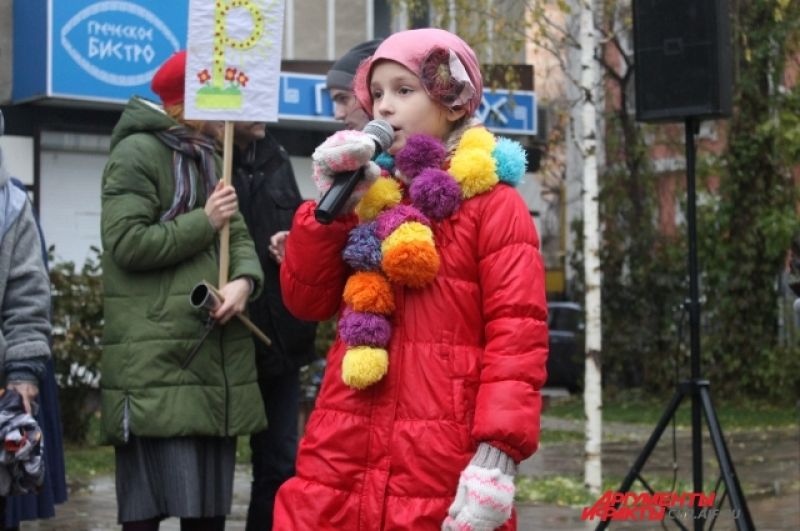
point(424, 52)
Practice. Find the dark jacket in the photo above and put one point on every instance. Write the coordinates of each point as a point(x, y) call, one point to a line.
point(149, 269)
point(268, 197)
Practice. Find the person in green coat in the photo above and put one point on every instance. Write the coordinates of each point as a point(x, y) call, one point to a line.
point(178, 384)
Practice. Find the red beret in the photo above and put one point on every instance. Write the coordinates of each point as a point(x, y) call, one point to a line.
point(168, 82)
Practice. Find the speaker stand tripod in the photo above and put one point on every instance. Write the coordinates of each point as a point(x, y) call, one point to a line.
point(697, 388)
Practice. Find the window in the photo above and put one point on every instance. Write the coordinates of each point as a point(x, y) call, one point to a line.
point(383, 19)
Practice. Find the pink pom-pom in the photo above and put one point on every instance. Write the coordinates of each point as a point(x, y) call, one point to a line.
point(389, 220)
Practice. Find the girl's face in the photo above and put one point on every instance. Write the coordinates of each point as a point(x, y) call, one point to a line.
point(399, 98)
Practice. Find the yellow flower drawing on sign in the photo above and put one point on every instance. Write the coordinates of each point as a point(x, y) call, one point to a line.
point(222, 88)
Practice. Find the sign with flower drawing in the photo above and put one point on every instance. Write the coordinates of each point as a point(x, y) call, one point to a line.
point(234, 58)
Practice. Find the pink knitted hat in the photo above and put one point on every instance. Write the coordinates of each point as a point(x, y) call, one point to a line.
point(424, 52)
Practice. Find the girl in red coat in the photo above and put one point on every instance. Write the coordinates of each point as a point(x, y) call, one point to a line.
point(431, 394)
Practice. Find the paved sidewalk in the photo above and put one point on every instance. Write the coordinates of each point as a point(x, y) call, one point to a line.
point(767, 463)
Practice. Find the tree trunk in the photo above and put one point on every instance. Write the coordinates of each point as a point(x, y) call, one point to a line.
point(588, 139)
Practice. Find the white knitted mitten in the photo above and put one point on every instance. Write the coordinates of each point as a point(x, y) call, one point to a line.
point(344, 151)
point(485, 493)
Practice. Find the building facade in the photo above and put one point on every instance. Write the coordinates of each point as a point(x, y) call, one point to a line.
point(68, 66)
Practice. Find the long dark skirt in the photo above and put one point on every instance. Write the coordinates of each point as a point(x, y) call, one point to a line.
point(185, 477)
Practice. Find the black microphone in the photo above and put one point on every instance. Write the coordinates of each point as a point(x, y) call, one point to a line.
point(345, 182)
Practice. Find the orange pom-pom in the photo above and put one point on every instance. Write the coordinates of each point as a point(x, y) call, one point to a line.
point(368, 291)
point(414, 264)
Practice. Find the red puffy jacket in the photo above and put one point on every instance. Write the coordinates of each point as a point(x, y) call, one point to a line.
point(466, 361)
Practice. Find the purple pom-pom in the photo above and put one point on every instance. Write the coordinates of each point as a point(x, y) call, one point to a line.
point(361, 328)
point(420, 152)
point(435, 193)
point(363, 249)
point(389, 220)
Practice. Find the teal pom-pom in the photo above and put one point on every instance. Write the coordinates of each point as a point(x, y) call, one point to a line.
point(510, 160)
point(385, 161)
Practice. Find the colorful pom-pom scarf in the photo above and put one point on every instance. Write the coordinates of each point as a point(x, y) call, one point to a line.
point(394, 243)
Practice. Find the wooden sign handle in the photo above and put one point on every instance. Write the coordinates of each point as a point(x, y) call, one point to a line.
point(225, 232)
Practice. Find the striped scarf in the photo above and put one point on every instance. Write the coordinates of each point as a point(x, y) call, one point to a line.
point(192, 151)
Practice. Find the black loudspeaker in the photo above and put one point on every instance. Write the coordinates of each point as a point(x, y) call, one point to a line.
point(682, 56)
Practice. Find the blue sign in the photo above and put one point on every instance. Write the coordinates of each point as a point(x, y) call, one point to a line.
point(110, 50)
point(509, 112)
point(93, 50)
point(30, 50)
point(304, 98)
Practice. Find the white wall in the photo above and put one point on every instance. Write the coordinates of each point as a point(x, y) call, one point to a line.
point(70, 202)
point(18, 157)
point(302, 173)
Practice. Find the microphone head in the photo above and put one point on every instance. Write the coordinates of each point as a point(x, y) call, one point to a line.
point(381, 132)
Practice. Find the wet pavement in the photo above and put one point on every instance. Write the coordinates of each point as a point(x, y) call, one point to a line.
point(767, 463)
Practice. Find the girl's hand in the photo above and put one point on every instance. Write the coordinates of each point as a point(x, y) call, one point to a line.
point(342, 151)
point(345, 151)
point(277, 245)
point(28, 391)
point(235, 294)
point(221, 205)
point(485, 493)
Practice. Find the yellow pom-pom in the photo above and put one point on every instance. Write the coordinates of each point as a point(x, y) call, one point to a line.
point(384, 193)
point(408, 232)
point(477, 138)
point(363, 366)
point(474, 170)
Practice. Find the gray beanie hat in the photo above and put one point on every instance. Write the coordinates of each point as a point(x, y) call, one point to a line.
point(340, 76)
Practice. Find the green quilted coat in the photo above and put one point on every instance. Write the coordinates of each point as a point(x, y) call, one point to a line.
point(149, 269)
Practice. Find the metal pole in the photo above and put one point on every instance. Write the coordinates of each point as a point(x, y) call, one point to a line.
point(699, 389)
point(694, 318)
